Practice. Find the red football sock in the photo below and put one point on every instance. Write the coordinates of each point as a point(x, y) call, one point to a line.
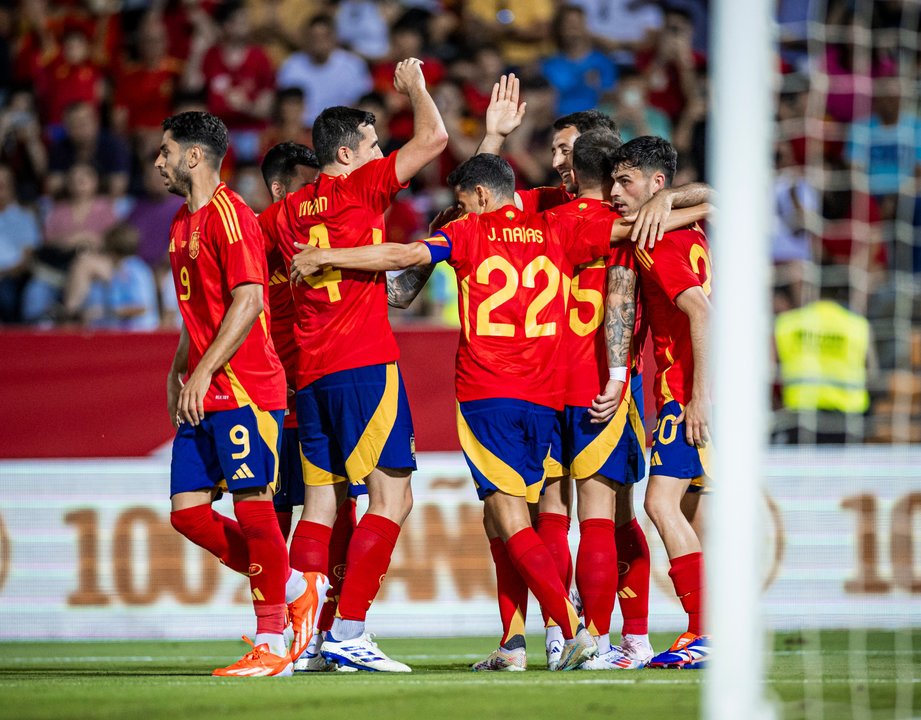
point(596, 573)
point(310, 547)
point(338, 549)
point(687, 574)
point(535, 564)
point(633, 583)
point(553, 530)
point(216, 533)
point(284, 522)
point(512, 592)
point(367, 561)
point(268, 563)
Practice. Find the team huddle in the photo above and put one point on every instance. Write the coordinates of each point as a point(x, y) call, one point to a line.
point(285, 388)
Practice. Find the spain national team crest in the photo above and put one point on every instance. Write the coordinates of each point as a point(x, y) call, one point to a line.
point(194, 245)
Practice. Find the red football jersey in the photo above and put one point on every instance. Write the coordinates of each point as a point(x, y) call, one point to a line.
point(342, 318)
point(212, 251)
point(584, 357)
point(543, 198)
point(281, 304)
point(513, 269)
point(680, 260)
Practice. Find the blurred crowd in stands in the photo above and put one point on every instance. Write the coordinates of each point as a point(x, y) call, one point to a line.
point(84, 85)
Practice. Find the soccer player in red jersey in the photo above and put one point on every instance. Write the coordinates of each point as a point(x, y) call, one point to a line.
point(553, 520)
point(511, 267)
point(355, 424)
point(676, 279)
point(228, 412)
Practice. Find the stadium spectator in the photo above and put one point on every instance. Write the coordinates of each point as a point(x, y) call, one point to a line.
point(287, 122)
point(151, 216)
point(629, 104)
point(21, 145)
point(19, 237)
point(622, 27)
point(328, 74)
point(670, 68)
point(519, 29)
point(238, 79)
point(73, 225)
point(277, 24)
point(68, 75)
point(85, 142)
point(824, 351)
point(144, 89)
point(579, 73)
point(113, 289)
point(362, 26)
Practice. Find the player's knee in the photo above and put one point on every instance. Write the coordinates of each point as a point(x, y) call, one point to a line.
point(655, 508)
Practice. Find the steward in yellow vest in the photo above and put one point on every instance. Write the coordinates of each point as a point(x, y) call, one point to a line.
point(822, 349)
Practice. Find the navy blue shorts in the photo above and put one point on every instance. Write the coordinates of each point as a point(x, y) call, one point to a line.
point(352, 421)
point(506, 443)
point(672, 456)
point(231, 450)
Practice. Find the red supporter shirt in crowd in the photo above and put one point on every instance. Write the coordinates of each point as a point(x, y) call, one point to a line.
point(252, 77)
point(58, 84)
point(147, 93)
point(342, 318)
point(281, 304)
point(584, 356)
point(512, 270)
point(680, 260)
point(212, 251)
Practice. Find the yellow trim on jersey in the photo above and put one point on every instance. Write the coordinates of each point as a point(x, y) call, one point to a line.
point(504, 477)
point(228, 217)
point(316, 476)
point(589, 461)
point(364, 458)
point(465, 302)
point(269, 428)
point(644, 257)
point(265, 326)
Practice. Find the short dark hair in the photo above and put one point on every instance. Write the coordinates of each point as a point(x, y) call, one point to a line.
point(289, 93)
point(593, 156)
point(586, 120)
point(281, 161)
point(337, 127)
point(199, 128)
point(648, 154)
point(490, 171)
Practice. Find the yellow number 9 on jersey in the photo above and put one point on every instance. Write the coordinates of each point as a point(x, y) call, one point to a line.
point(186, 283)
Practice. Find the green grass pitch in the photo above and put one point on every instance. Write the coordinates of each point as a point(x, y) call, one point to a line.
point(832, 675)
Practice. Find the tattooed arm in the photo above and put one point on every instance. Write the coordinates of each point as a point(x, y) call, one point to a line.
point(619, 318)
point(402, 287)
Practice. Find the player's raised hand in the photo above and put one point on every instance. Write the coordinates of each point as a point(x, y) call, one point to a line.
point(649, 223)
point(504, 114)
point(605, 405)
point(191, 402)
point(408, 76)
point(444, 217)
point(307, 262)
point(696, 419)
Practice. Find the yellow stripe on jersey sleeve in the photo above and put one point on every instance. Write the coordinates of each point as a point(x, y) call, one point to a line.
point(228, 217)
point(231, 212)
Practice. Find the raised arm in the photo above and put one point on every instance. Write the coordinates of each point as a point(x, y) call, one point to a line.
point(403, 287)
point(652, 217)
point(371, 258)
point(682, 217)
point(245, 308)
point(694, 303)
point(503, 116)
point(619, 319)
point(429, 135)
